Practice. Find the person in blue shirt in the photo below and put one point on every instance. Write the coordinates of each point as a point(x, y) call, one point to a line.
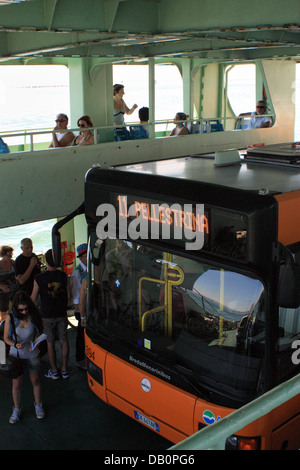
point(77, 276)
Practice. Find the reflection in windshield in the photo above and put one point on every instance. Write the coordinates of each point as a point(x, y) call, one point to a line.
point(207, 319)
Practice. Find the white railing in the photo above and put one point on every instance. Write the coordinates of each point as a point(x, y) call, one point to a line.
point(30, 137)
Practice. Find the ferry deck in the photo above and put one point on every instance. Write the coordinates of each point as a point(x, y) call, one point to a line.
point(205, 40)
point(75, 418)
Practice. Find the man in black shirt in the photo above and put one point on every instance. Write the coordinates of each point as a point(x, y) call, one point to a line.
point(27, 266)
point(53, 287)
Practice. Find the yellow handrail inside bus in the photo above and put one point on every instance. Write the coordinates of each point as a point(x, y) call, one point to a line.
point(179, 277)
point(168, 284)
point(141, 280)
point(150, 312)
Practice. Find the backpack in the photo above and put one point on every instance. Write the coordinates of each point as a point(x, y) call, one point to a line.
point(10, 364)
point(3, 147)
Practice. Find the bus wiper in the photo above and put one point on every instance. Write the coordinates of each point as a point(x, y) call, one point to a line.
point(183, 373)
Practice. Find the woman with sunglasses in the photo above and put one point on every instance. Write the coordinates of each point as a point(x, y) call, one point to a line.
point(28, 325)
point(85, 137)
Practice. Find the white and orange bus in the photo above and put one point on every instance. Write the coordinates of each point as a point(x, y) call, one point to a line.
point(178, 338)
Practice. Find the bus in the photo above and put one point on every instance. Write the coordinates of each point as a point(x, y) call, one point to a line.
point(193, 299)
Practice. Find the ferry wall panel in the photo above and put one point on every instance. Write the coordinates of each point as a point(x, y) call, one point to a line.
point(49, 183)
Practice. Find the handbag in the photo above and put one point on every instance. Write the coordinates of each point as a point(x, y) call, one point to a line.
point(12, 364)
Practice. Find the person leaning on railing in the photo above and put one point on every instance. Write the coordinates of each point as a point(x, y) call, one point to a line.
point(258, 118)
point(61, 139)
point(86, 137)
point(180, 128)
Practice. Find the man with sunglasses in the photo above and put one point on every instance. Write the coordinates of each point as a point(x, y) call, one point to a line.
point(60, 138)
point(258, 118)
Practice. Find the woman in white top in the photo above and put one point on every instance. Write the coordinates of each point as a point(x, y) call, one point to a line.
point(120, 107)
point(27, 325)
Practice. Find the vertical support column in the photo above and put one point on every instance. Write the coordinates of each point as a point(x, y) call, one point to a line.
point(90, 92)
point(151, 71)
point(76, 89)
point(259, 80)
point(187, 88)
point(220, 91)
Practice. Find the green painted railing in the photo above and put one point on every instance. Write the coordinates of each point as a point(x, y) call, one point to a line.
point(214, 436)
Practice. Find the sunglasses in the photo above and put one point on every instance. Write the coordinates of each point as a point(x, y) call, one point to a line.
point(261, 107)
point(81, 125)
point(23, 309)
point(60, 120)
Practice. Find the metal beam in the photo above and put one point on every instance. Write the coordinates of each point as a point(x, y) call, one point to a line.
point(151, 28)
point(49, 9)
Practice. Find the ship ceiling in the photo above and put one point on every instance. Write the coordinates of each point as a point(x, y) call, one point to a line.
point(219, 30)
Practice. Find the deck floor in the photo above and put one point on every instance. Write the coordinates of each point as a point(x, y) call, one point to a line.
point(75, 418)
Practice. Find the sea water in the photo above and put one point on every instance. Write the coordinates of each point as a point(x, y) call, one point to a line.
point(39, 232)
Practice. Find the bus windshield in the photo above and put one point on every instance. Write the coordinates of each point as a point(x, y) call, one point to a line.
point(206, 321)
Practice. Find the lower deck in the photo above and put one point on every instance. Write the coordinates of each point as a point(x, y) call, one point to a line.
point(75, 418)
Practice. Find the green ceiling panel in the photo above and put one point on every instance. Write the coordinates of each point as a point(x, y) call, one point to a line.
point(208, 29)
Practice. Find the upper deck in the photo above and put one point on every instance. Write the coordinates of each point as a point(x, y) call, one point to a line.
point(204, 40)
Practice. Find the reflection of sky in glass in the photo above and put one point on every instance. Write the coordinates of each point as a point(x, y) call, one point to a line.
point(240, 292)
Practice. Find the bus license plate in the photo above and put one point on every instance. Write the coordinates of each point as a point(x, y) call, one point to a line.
point(147, 421)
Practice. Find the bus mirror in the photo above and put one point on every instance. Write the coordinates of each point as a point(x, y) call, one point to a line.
point(288, 293)
point(96, 243)
point(56, 246)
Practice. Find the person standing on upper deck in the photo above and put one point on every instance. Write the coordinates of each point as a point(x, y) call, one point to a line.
point(61, 139)
point(120, 107)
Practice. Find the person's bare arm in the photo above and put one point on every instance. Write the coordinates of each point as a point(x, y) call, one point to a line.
point(63, 142)
point(131, 110)
point(35, 291)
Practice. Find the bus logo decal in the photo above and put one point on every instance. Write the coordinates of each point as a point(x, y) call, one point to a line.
point(209, 417)
point(146, 385)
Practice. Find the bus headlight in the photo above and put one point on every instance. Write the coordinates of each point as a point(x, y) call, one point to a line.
point(95, 372)
point(242, 443)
